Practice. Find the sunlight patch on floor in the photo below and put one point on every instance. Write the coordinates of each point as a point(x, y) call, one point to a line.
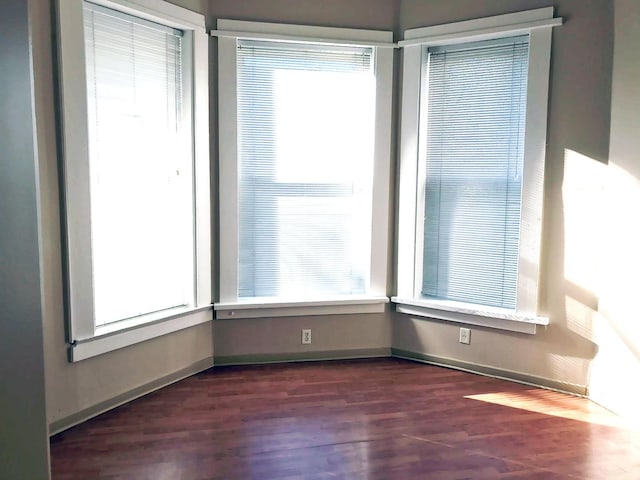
point(556, 404)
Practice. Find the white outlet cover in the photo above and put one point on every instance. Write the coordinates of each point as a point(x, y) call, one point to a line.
point(306, 336)
point(465, 336)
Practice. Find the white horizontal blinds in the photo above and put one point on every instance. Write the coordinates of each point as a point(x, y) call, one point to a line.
point(140, 166)
point(475, 105)
point(305, 132)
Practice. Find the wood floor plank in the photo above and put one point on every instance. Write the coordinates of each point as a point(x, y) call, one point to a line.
point(362, 419)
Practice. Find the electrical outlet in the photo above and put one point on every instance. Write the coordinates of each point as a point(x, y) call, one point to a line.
point(306, 336)
point(465, 335)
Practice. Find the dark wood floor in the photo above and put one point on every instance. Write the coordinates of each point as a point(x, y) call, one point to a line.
point(364, 419)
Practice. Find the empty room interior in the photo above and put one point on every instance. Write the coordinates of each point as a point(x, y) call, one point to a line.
point(302, 239)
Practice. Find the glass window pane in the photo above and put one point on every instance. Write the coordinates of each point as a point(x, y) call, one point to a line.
point(141, 194)
point(474, 132)
point(306, 123)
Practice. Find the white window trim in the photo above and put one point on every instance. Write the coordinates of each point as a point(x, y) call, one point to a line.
point(538, 24)
point(481, 315)
point(268, 308)
point(302, 33)
point(85, 338)
point(480, 29)
point(229, 31)
point(131, 332)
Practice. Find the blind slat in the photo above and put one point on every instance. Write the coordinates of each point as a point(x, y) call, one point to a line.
point(305, 134)
point(141, 220)
point(474, 139)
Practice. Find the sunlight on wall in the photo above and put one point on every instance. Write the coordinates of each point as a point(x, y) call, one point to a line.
point(601, 261)
point(571, 359)
point(622, 254)
point(583, 201)
point(616, 368)
point(579, 317)
point(583, 197)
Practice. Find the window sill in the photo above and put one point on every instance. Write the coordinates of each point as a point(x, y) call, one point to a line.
point(269, 308)
point(129, 332)
point(470, 314)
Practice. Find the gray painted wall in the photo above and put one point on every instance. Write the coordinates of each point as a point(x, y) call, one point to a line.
point(573, 250)
point(281, 337)
point(76, 387)
point(368, 14)
point(351, 335)
point(24, 446)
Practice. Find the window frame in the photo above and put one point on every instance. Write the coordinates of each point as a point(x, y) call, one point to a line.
point(537, 24)
point(85, 339)
point(228, 33)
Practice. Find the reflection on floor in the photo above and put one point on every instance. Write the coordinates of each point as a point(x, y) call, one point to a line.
point(362, 419)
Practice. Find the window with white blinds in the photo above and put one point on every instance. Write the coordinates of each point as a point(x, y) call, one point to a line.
point(134, 111)
point(140, 162)
point(472, 135)
point(471, 177)
point(305, 119)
